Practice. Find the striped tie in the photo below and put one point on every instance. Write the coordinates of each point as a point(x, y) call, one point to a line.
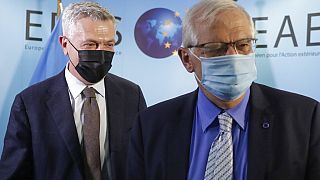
point(220, 159)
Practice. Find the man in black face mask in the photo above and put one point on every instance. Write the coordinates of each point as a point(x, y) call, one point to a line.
point(76, 124)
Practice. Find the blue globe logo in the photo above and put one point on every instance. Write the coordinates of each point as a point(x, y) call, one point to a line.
point(158, 33)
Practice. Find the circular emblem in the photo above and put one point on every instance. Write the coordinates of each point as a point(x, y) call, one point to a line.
point(158, 33)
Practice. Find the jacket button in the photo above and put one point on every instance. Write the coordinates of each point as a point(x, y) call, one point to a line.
point(265, 125)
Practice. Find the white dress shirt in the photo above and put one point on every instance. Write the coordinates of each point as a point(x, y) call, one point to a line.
point(76, 98)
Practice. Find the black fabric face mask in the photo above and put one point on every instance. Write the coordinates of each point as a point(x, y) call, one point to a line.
point(93, 64)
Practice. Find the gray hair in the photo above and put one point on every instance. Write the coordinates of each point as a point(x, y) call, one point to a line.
point(76, 11)
point(205, 11)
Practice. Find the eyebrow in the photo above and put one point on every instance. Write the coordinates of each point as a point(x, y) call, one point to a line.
point(92, 40)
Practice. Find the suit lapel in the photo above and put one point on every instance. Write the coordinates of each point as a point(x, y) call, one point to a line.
point(115, 105)
point(179, 139)
point(58, 103)
point(115, 120)
point(260, 135)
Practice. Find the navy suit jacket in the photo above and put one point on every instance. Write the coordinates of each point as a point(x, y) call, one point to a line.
point(41, 141)
point(284, 138)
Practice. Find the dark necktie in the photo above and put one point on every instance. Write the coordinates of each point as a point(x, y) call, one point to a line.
point(91, 132)
point(220, 159)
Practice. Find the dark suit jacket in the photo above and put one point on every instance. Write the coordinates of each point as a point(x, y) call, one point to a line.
point(284, 138)
point(41, 141)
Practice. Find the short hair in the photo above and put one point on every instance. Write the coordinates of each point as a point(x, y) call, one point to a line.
point(76, 11)
point(205, 11)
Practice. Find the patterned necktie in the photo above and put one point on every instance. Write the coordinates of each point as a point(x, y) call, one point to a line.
point(220, 159)
point(91, 132)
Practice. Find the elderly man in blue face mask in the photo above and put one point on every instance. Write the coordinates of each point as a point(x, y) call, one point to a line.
point(230, 127)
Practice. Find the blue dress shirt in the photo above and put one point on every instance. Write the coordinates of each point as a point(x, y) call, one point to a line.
point(206, 128)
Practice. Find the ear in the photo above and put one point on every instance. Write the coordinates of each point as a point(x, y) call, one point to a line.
point(63, 43)
point(186, 59)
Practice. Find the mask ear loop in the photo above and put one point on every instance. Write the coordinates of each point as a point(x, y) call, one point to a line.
point(71, 62)
point(194, 74)
point(68, 53)
point(194, 54)
point(71, 43)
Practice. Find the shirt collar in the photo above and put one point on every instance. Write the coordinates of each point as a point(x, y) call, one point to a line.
point(76, 86)
point(238, 112)
point(208, 111)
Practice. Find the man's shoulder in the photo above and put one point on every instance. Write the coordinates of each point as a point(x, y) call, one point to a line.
point(44, 86)
point(119, 81)
point(177, 104)
point(279, 96)
point(173, 111)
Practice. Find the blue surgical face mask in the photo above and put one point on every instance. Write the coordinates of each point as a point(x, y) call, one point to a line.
point(228, 77)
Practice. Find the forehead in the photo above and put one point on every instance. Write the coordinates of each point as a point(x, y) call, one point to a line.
point(87, 28)
point(228, 26)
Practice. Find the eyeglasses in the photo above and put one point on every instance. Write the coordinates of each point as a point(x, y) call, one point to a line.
point(212, 49)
